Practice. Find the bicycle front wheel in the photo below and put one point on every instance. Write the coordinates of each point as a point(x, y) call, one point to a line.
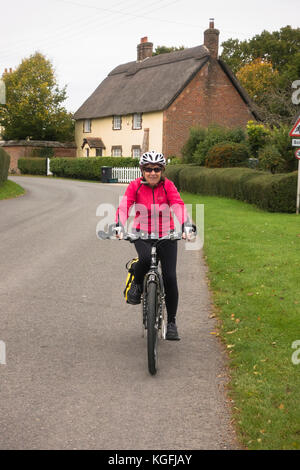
point(152, 327)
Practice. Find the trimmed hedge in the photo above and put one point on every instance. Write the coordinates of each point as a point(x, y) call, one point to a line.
point(33, 166)
point(87, 168)
point(4, 165)
point(273, 193)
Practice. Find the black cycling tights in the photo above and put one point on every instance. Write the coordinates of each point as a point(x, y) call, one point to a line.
point(167, 252)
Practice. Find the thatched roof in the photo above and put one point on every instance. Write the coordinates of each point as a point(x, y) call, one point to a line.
point(93, 143)
point(151, 85)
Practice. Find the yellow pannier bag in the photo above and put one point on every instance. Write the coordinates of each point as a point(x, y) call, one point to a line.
point(130, 275)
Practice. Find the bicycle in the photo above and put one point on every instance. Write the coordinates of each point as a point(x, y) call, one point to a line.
point(153, 296)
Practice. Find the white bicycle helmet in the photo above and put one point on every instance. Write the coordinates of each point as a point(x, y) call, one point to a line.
point(152, 157)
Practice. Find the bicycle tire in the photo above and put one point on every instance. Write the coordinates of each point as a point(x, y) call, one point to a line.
point(151, 327)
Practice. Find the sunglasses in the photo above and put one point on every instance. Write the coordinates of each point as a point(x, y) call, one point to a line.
point(150, 169)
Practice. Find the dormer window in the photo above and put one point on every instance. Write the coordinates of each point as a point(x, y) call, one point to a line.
point(137, 121)
point(117, 123)
point(87, 125)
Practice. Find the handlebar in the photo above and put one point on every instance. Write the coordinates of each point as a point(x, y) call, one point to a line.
point(132, 237)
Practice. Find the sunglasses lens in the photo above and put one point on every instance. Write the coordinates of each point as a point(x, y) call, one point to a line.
point(149, 170)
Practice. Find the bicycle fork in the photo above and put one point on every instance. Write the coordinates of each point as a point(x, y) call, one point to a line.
point(154, 276)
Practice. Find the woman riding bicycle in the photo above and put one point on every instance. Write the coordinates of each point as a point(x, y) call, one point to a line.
point(153, 195)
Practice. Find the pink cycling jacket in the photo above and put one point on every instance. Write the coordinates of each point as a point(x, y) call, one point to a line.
point(152, 206)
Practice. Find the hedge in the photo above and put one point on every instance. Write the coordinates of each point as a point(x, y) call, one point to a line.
point(87, 168)
point(227, 155)
point(33, 166)
point(4, 165)
point(273, 193)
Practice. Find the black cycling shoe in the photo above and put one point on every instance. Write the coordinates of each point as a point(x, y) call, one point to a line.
point(172, 333)
point(134, 294)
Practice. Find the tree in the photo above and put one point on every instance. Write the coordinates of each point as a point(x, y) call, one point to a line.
point(34, 103)
point(258, 77)
point(165, 49)
point(267, 65)
point(281, 48)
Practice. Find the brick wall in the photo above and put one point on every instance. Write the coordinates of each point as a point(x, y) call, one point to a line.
point(209, 98)
point(65, 152)
point(20, 151)
point(16, 153)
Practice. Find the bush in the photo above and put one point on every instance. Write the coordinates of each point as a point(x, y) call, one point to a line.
point(33, 166)
point(4, 165)
point(273, 146)
point(87, 168)
point(197, 135)
point(279, 137)
point(217, 134)
point(227, 154)
point(174, 160)
point(257, 137)
point(202, 139)
point(274, 193)
point(270, 159)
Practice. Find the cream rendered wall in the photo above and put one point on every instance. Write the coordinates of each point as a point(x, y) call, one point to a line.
point(126, 137)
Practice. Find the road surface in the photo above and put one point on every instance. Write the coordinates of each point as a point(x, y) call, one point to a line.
point(76, 373)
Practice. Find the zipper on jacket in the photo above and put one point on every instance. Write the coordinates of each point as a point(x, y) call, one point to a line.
point(154, 211)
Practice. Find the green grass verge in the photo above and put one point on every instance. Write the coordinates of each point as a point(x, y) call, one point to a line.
point(254, 264)
point(10, 189)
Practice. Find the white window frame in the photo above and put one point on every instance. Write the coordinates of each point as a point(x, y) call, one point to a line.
point(137, 121)
point(87, 125)
point(117, 123)
point(118, 150)
point(138, 150)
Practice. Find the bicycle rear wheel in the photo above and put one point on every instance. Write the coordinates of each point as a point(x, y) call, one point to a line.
point(152, 327)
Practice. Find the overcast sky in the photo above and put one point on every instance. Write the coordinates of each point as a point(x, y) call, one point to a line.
point(86, 39)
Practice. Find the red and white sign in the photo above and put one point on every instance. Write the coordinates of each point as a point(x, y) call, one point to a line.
point(297, 154)
point(295, 132)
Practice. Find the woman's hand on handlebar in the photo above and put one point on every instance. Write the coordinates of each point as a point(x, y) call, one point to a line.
point(188, 232)
point(119, 232)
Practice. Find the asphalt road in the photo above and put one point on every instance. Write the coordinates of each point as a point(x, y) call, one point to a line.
point(76, 373)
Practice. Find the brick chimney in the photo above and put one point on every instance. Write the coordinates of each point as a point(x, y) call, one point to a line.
point(144, 49)
point(211, 39)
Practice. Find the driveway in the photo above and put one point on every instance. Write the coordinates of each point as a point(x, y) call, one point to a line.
point(76, 373)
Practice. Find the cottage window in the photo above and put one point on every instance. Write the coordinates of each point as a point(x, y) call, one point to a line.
point(87, 152)
point(116, 151)
point(137, 121)
point(136, 151)
point(117, 122)
point(87, 125)
point(99, 152)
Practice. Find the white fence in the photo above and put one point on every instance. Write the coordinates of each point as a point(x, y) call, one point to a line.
point(125, 175)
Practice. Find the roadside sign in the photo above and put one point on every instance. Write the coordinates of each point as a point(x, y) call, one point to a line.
point(297, 154)
point(295, 131)
point(296, 142)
